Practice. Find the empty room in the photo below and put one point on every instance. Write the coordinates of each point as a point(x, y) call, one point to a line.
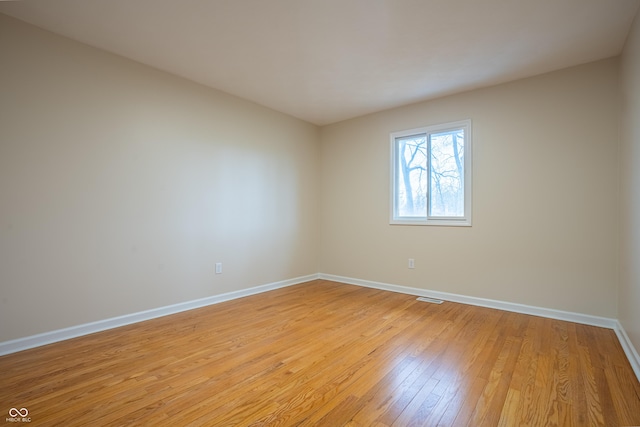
point(320, 212)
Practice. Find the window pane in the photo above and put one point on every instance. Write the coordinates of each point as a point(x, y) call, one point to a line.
point(447, 174)
point(412, 176)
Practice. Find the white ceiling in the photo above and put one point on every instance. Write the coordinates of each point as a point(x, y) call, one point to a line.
point(329, 60)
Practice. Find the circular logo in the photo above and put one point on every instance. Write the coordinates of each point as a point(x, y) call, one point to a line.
point(22, 412)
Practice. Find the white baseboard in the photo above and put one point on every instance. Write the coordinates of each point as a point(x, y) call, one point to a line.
point(586, 319)
point(25, 343)
point(629, 349)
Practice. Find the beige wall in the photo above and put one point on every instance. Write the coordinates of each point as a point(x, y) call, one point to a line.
point(121, 186)
point(544, 202)
point(629, 294)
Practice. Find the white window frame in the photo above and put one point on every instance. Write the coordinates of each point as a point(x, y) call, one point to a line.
point(465, 220)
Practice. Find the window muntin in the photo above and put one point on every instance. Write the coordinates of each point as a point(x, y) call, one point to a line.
point(431, 175)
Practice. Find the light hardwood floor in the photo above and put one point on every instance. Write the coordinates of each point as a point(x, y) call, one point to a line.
point(329, 354)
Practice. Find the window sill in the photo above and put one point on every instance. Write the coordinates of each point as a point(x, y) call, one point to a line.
point(437, 222)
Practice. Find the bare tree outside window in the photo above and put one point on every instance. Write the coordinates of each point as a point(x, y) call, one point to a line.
point(413, 182)
point(430, 182)
point(447, 174)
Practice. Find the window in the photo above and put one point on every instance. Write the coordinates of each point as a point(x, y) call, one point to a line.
point(431, 175)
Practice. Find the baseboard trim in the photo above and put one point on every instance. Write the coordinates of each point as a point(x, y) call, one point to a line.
point(45, 338)
point(629, 349)
point(482, 302)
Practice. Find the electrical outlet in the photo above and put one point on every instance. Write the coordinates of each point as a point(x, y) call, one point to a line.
point(411, 263)
point(218, 268)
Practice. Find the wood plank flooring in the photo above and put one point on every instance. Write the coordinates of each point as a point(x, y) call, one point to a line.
point(329, 354)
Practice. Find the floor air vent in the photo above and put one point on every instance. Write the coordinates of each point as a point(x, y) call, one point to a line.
point(431, 300)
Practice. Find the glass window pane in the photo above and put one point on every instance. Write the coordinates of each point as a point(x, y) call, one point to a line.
point(412, 182)
point(447, 174)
